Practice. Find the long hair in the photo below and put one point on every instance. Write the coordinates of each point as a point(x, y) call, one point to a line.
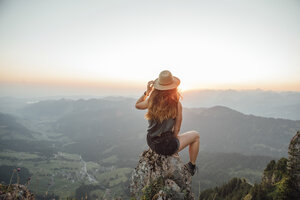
point(162, 104)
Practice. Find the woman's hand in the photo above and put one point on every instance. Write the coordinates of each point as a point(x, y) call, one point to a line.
point(149, 87)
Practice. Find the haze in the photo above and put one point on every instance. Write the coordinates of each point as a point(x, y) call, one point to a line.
point(115, 47)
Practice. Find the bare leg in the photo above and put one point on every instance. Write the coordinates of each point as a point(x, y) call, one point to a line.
point(190, 138)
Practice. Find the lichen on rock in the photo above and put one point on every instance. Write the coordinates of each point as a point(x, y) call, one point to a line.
point(160, 177)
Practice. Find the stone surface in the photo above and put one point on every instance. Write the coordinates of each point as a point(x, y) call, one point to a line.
point(293, 164)
point(160, 177)
point(15, 191)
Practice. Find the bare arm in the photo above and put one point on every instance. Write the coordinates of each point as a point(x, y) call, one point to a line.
point(178, 120)
point(142, 102)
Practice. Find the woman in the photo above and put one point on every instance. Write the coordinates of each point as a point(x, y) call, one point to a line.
point(164, 116)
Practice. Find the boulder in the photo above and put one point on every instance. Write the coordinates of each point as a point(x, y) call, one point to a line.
point(159, 177)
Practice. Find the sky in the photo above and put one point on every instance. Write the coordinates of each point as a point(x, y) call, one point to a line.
point(70, 47)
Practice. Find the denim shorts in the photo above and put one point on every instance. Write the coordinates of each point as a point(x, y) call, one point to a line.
point(166, 144)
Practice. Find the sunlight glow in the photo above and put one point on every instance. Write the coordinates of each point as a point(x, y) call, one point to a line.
point(205, 44)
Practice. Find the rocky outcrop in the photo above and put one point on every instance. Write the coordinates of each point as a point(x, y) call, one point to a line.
point(293, 164)
point(274, 172)
point(15, 191)
point(159, 177)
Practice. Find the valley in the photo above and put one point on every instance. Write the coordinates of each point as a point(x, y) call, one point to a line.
point(74, 148)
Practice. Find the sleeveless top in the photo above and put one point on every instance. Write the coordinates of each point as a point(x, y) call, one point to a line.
point(156, 129)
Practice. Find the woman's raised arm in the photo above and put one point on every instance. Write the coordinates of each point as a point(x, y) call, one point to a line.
point(142, 102)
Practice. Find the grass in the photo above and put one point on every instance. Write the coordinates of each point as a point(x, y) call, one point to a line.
point(69, 156)
point(253, 176)
point(97, 193)
point(108, 150)
point(92, 167)
point(18, 155)
point(44, 169)
point(62, 168)
point(114, 177)
point(111, 160)
point(65, 188)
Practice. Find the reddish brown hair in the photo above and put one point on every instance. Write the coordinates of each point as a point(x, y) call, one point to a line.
point(162, 104)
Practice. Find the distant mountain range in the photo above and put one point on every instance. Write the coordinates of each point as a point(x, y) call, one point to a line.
point(284, 105)
point(226, 130)
point(116, 122)
point(257, 102)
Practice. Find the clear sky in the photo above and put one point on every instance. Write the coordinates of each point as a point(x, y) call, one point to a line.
point(91, 47)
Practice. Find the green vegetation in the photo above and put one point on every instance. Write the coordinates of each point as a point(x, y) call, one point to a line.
point(18, 155)
point(114, 177)
point(217, 168)
point(61, 174)
point(97, 191)
point(96, 194)
point(276, 184)
point(92, 167)
point(111, 160)
point(10, 174)
point(235, 189)
point(58, 175)
point(84, 128)
point(68, 156)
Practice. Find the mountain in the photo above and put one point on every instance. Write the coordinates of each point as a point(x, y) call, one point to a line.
point(257, 102)
point(77, 142)
point(226, 130)
point(118, 123)
point(11, 129)
point(17, 137)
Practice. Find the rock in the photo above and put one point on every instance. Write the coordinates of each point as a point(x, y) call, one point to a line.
point(293, 164)
point(160, 177)
point(15, 191)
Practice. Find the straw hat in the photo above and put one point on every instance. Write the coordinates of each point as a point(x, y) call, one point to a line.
point(166, 81)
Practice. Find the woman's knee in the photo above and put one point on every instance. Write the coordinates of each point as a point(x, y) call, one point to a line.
point(193, 135)
point(188, 138)
point(196, 135)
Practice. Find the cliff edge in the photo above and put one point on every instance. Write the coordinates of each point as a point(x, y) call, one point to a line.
point(293, 164)
point(159, 177)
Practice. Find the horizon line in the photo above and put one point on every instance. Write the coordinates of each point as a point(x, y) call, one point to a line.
point(131, 85)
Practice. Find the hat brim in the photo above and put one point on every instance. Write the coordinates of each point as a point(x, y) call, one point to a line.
point(173, 85)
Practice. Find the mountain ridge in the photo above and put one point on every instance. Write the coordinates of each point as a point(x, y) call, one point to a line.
point(221, 128)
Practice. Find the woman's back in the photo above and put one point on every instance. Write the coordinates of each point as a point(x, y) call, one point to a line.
point(156, 128)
